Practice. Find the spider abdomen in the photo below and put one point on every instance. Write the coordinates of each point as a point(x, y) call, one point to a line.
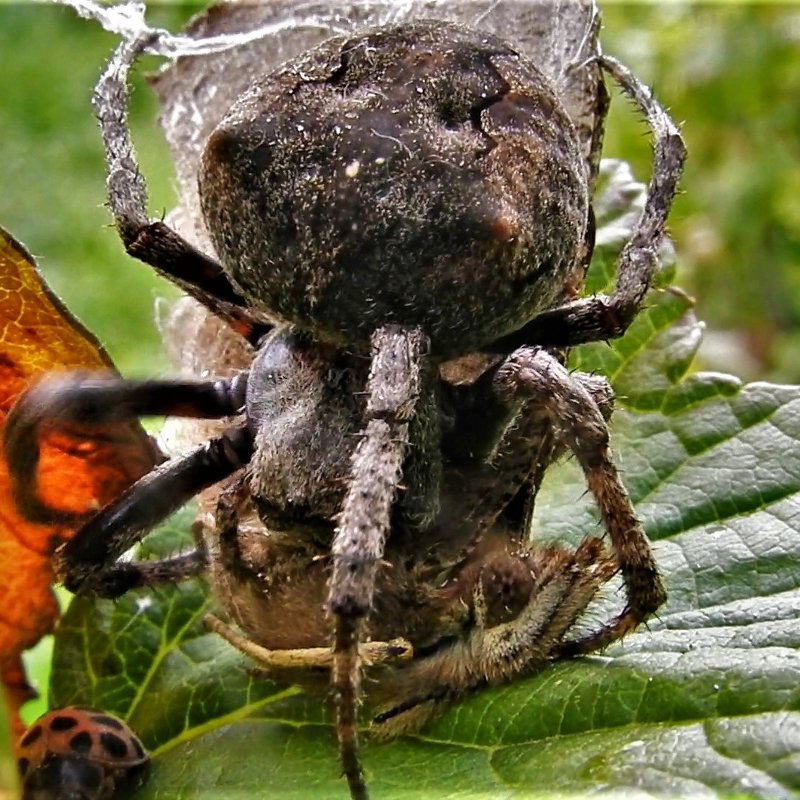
point(421, 175)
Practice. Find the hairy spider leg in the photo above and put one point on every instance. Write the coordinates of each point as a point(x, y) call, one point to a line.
point(393, 387)
point(534, 373)
point(83, 402)
point(499, 449)
point(152, 241)
point(397, 651)
point(491, 651)
point(122, 576)
point(606, 317)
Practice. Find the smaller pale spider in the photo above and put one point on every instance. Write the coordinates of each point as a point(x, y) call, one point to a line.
point(388, 209)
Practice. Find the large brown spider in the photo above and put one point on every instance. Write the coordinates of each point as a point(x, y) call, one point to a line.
point(392, 211)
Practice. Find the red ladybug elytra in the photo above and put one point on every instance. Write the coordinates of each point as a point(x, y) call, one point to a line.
point(78, 753)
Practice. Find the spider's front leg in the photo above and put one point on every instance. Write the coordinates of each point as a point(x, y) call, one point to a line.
point(499, 449)
point(76, 411)
point(395, 384)
point(606, 317)
point(152, 241)
point(535, 375)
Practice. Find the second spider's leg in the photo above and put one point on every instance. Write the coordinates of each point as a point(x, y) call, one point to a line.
point(523, 603)
point(396, 651)
point(394, 386)
point(600, 317)
point(122, 576)
point(149, 240)
point(534, 374)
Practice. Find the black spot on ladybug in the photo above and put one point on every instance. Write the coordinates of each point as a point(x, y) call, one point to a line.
point(114, 745)
point(23, 765)
point(108, 722)
point(81, 742)
point(63, 723)
point(31, 736)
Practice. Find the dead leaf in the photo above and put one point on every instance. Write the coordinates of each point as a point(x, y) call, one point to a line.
point(76, 473)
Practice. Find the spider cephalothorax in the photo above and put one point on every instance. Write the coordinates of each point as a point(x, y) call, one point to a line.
point(390, 210)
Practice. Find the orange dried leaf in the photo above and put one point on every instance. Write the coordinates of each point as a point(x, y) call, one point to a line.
point(78, 472)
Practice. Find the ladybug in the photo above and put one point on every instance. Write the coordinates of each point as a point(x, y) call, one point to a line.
point(78, 753)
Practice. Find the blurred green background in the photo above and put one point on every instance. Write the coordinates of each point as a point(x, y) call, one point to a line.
point(729, 72)
point(52, 184)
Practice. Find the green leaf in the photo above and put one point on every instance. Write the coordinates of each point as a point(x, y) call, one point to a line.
point(708, 698)
point(148, 658)
point(704, 701)
point(8, 767)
